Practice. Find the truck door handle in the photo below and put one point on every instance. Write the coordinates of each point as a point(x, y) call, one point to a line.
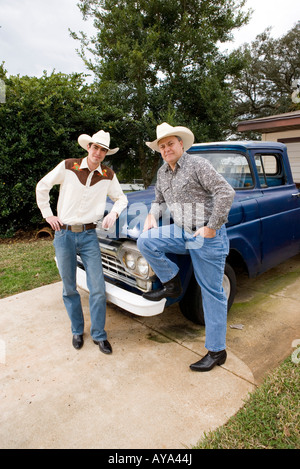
point(296, 195)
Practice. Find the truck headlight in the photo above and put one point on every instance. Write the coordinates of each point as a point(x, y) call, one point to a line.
point(142, 266)
point(130, 261)
point(134, 263)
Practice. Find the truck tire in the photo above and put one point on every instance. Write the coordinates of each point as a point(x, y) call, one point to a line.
point(191, 303)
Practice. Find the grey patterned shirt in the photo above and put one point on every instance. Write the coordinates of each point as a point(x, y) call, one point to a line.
point(194, 193)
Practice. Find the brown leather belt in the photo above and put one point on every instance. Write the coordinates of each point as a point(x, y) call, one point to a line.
point(79, 228)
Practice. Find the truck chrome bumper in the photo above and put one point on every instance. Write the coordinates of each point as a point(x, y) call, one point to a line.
point(131, 302)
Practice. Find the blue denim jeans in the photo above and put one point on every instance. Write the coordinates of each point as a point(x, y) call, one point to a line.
point(67, 245)
point(208, 256)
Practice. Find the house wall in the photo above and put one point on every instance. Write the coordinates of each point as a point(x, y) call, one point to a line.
point(291, 138)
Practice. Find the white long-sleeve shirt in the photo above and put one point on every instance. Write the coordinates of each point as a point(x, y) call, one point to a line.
point(83, 193)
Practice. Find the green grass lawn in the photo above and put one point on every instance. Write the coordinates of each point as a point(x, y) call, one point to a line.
point(26, 265)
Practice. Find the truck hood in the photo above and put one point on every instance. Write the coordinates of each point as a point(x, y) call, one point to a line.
point(131, 221)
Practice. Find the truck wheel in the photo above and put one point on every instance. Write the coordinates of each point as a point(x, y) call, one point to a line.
point(191, 303)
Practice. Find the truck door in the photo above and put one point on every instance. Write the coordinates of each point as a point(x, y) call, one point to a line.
point(279, 210)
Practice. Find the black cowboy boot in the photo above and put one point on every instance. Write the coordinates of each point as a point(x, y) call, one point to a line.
point(210, 360)
point(170, 289)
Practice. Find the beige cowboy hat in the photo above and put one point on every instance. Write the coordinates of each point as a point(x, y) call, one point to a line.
point(100, 138)
point(166, 130)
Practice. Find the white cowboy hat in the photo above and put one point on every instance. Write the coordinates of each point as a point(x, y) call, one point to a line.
point(100, 138)
point(166, 130)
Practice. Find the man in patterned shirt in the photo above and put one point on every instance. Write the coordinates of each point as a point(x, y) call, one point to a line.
point(85, 184)
point(199, 200)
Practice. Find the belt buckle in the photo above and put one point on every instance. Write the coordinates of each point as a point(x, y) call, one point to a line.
point(77, 228)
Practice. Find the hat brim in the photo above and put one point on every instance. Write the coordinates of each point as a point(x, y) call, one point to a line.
point(84, 140)
point(185, 134)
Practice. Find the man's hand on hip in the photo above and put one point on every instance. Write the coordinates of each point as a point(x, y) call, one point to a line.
point(54, 222)
point(206, 232)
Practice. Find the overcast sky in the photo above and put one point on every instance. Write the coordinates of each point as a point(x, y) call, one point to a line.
point(34, 34)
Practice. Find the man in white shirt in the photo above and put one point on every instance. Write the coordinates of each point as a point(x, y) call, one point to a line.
point(85, 184)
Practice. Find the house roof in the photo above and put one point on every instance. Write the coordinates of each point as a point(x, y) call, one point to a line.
point(287, 121)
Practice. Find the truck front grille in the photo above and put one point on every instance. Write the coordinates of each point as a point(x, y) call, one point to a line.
point(113, 268)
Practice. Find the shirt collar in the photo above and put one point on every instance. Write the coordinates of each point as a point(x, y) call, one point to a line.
point(179, 163)
point(84, 165)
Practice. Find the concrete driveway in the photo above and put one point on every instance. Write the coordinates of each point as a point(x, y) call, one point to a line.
point(144, 395)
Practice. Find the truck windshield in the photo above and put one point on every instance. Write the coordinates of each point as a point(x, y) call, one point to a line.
point(233, 166)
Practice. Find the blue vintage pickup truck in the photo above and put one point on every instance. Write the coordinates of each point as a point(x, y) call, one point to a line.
point(263, 228)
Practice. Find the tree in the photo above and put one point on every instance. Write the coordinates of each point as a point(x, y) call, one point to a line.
point(265, 85)
point(158, 60)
